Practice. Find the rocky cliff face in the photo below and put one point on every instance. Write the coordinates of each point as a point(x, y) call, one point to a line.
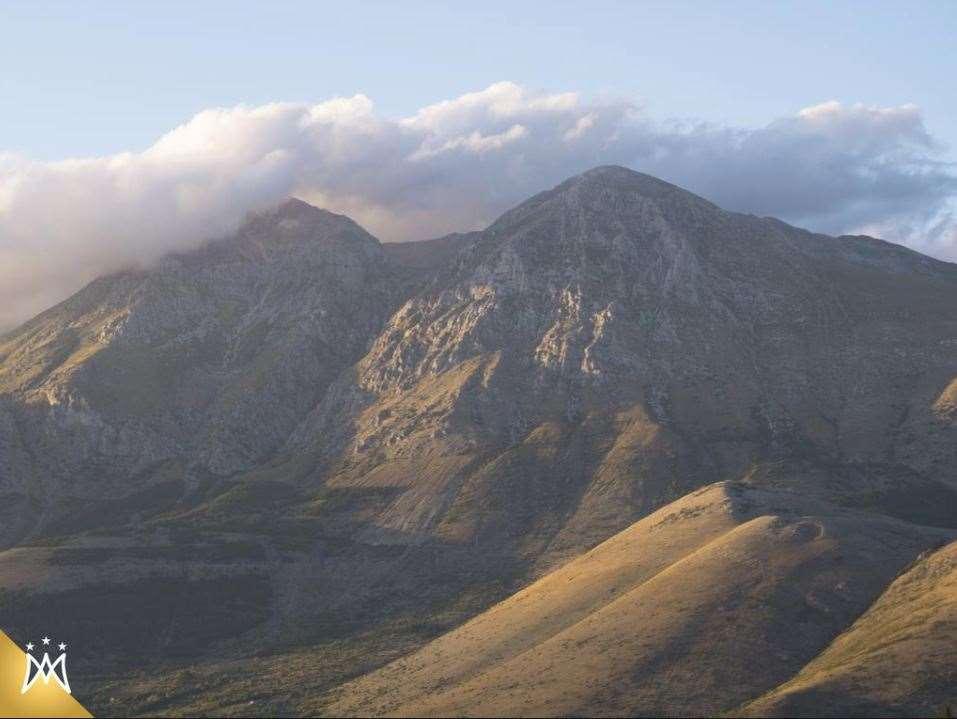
point(339, 449)
point(196, 369)
point(615, 342)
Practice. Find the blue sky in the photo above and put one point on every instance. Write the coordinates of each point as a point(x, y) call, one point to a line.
point(82, 78)
point(422, 118)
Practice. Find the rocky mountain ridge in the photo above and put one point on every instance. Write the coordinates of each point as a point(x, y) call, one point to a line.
point(696, 345)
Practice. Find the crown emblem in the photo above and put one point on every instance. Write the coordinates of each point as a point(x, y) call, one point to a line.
point(45, 667)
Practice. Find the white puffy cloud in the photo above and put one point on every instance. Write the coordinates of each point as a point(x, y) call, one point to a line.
point(454, 165)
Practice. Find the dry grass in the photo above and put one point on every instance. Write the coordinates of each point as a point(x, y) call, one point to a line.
point(898, 658)
point(696, 608)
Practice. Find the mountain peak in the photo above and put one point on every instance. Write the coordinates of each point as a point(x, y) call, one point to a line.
point(625, 179)
point(607, 189)
point(614, 173)
point(297, 216)
point(294, 207)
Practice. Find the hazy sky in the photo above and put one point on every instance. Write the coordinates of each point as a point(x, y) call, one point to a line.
point(130, 129)
point(89, 78)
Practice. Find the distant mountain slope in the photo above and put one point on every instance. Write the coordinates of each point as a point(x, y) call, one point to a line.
point(197, 368)
point(698, 606)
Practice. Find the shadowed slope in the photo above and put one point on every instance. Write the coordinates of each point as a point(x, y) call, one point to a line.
point(896, 660)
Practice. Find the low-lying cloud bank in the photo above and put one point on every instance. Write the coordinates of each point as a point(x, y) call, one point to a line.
point(454, 165)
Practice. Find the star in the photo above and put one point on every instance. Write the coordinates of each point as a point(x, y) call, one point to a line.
point(62, 646)
point(30, 646)
point(46, 640)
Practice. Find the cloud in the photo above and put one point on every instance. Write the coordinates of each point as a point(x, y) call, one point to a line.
point(454, 165)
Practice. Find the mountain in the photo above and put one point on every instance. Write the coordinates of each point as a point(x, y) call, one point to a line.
point(622, 450)
point(153, 383)
point(616, 342)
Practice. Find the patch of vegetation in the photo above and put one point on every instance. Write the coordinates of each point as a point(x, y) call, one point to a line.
point(346, 499)
point(255, 496)
point(124, 624)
